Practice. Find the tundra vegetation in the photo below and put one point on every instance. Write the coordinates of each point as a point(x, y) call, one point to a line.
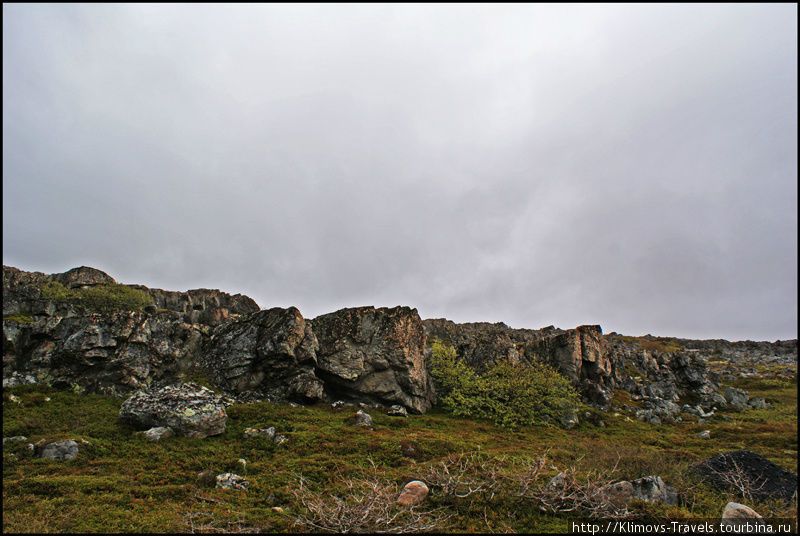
point(332, 476)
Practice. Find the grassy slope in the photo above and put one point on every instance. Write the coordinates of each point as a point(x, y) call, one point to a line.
point(123, 483)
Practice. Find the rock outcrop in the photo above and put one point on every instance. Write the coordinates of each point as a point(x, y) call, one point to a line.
point(271, 352)
point(109, 353)
point(52, 335)
point(579, 354)
point(202, 305)
point(375, 355)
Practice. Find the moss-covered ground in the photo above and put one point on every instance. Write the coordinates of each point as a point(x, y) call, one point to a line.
point(120, 482)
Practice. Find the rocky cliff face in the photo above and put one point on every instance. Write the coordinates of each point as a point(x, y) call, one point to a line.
point(361, 354)
point(365, 354)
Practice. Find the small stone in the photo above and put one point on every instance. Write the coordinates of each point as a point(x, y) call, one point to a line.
point(255, 432)
point(705, 434)
point(14, 438)
point(280, 439)
point(413, 493)
point(157, 433)
point(231, 481)
point(362, 419)
point(277, 509)
point(736, 514)
point(397, 411)
point(339, 404)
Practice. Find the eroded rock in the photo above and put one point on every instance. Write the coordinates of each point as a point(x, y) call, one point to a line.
point(271, 352)
point(376, 355)
point(189, 409)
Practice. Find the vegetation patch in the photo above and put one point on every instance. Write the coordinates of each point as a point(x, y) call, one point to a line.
point(19, 318)
point(510, 395)
point(482, 477)
point(99, 298)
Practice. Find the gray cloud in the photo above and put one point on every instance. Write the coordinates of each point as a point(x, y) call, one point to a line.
point(633, 166)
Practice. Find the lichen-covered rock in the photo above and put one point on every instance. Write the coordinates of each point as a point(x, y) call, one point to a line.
point(259, 432)
point(397, 411)
point(362, 419)
point(114, 353)
point(60, 450)
point(232, 481)
point(271, 352)
point(82, 277)
point(653, 489)
point(210, 307)
point(189, 409)
point(374, 354)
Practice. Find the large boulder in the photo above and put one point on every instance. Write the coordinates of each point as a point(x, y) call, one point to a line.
point(744, 471)
point(375, 354)
point(272, 352)
point(189, 409)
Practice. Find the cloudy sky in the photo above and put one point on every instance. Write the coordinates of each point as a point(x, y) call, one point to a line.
point(629, 166)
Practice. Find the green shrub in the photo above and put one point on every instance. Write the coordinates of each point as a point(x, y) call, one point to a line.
point(510, 395)
point(100, 298)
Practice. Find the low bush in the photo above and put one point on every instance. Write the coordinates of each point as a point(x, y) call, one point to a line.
point(510, 395)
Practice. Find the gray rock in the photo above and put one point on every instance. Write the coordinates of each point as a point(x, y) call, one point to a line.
point(397, 411)
point(157, 433)
point(362, 419)
point(280, 439)
point(339, 404)
point(232, 481)
point(736, 515)
point(60, 450)
point(271, 352)
point(189, 409)
point(759, 403)
point(14, 439)
point(653, 489)
point(705, 434)
point(736, 397)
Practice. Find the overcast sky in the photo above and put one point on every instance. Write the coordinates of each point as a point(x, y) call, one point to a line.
point(633, 166)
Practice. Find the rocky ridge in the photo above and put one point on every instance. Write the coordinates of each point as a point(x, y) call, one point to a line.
point(361, 354)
